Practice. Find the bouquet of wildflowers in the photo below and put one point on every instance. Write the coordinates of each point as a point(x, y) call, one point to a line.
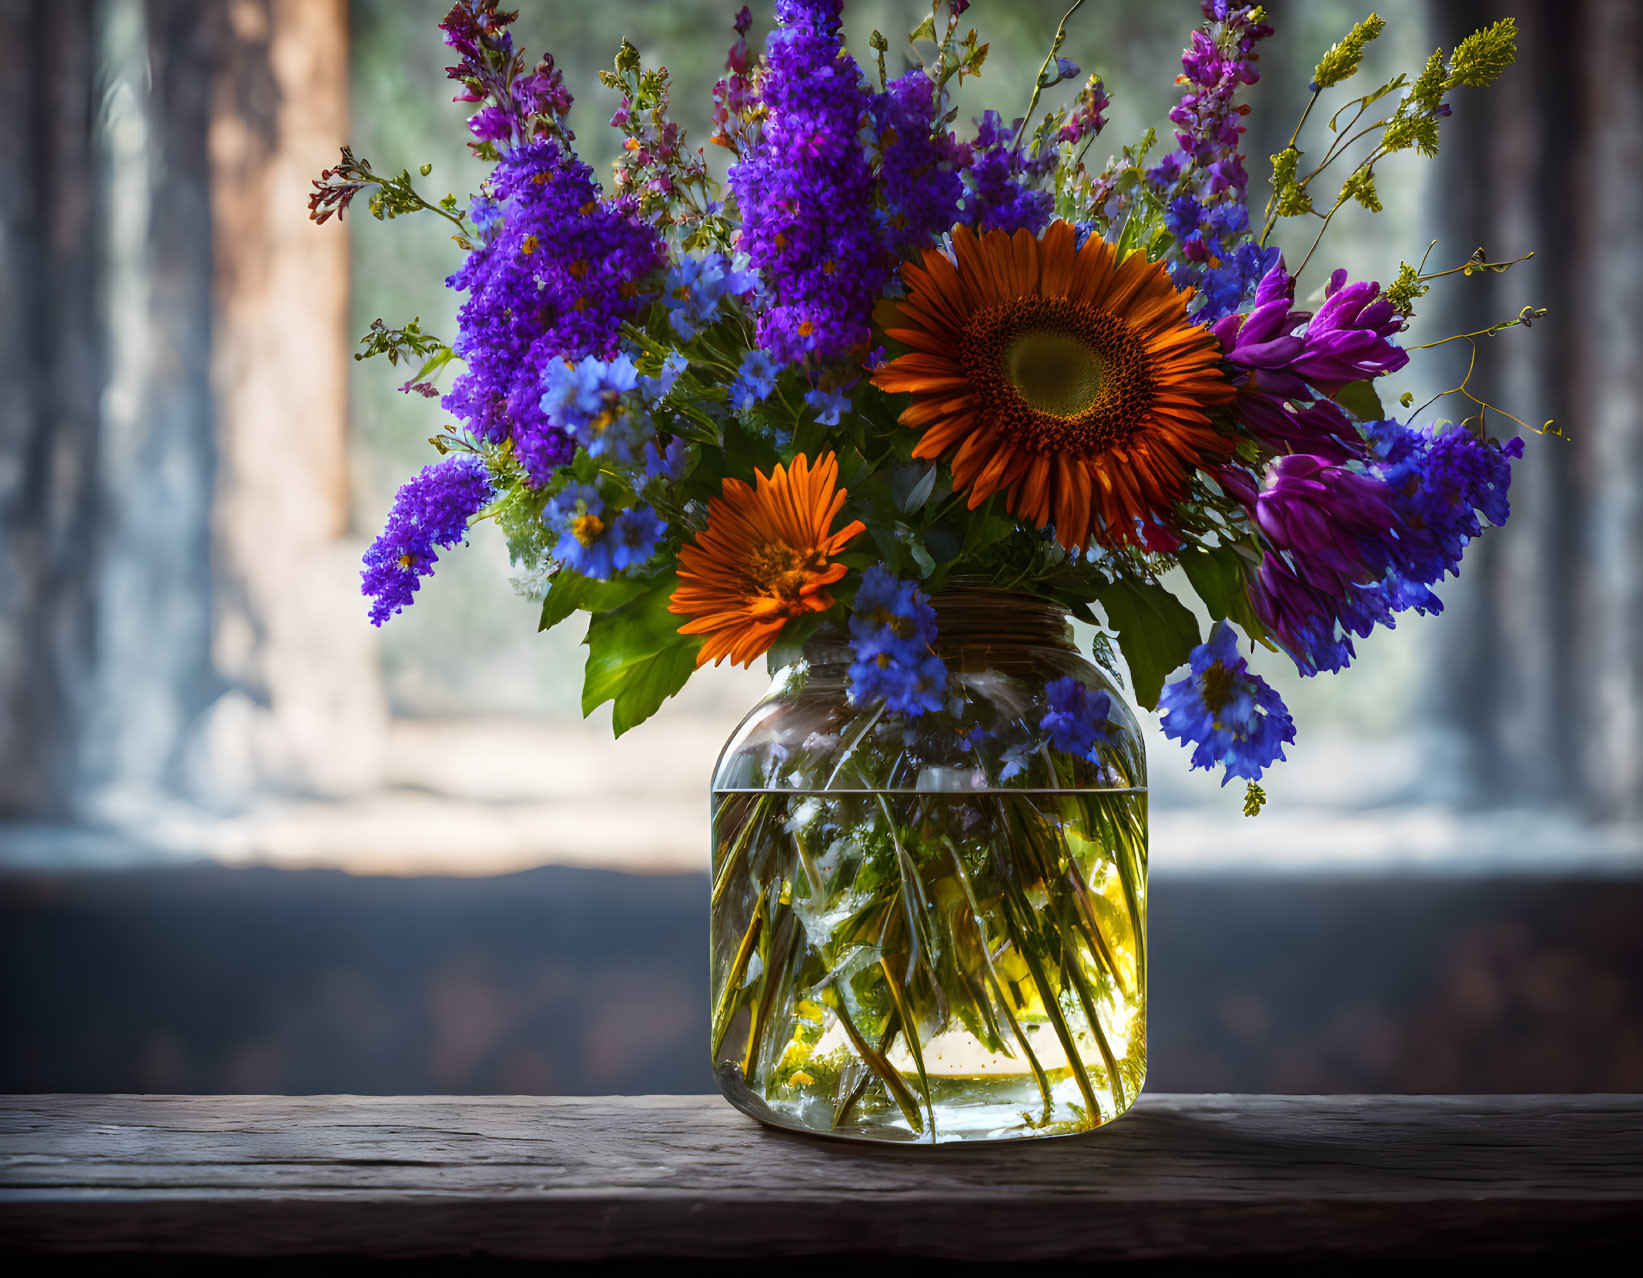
point(887, 354)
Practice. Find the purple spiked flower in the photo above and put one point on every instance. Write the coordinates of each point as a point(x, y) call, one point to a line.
point(802, 188)
point(919, 172)
point(1002, 180)
point(432, 509)
point(555, 280)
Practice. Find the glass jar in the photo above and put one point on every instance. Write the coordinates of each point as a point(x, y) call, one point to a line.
point(933, 928)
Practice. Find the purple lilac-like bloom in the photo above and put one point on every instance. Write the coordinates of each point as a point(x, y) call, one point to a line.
point(892, 630)
point(635, 535)
point(1203, 180)
point(522, 108)
point(1220, 60)
point(1077, 717)
point(920, 172)
point(803, 189)
point(430, 510)
point(1085, 120)
point(1002, 193)
point(1215, 255)
point(1234, 718)
point(556, 279)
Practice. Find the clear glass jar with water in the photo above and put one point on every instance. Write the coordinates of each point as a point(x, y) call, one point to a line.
point(932, 929)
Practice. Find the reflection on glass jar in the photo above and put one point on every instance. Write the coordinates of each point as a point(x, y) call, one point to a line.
point(932, 928)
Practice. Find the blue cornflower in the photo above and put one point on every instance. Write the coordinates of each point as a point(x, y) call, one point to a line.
point(656, 389)
point(755, 380)
point(892, 630)
point(828, 404)
point(585, 400)
point(485, 214)
point(666, 463)
point(908, 689)
point(1077, 718)
point(635, 534)
point(585, 542)
point(431, 510)
point(696, 286)
point(575, 394)
point(1235, 717)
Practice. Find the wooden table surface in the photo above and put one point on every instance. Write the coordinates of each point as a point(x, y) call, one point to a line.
point(1183, 1177)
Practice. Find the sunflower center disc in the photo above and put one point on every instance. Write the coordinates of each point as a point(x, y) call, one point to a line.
point(1054, 371)
point(779, 571)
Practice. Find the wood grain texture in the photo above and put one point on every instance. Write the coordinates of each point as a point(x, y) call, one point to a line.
point(1253, 1177)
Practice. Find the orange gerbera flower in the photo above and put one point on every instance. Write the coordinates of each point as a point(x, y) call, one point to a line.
point(1069, 381)
point(762, 559)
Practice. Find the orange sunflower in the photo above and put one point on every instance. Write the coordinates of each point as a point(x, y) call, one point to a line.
point(762, 559)
point(1069, 381)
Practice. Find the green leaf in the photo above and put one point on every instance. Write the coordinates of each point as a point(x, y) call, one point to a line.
point(637, 658)
point(1362, 401)
point(651, 683)
point(571, 591)
point(914, 498)
point(1156, 633)
point(1218, 578)
point(790, 646)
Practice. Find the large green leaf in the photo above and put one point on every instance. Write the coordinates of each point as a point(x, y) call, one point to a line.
point(1361, 400)
point(651, 682)
point(790, 646)
point(1155, 631)
point(571, 591)
point(1218, 577)
point(637, 658)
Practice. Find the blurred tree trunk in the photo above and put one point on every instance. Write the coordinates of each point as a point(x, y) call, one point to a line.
point(304, 710)
point(175, 593)
point(1546, 671)
point(51, 365)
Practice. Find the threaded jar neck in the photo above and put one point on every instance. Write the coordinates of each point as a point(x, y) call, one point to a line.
point(977, 628)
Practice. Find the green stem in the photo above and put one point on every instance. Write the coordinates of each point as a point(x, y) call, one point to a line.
point(771, 980)
point(899, 998)
point(744, 838)
point(1038, 84)
point(723, 1009)
point(842, 1111)
point(876, 1062)
point(1086, 998)
point(1039, 1075)
point(1047, 995)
